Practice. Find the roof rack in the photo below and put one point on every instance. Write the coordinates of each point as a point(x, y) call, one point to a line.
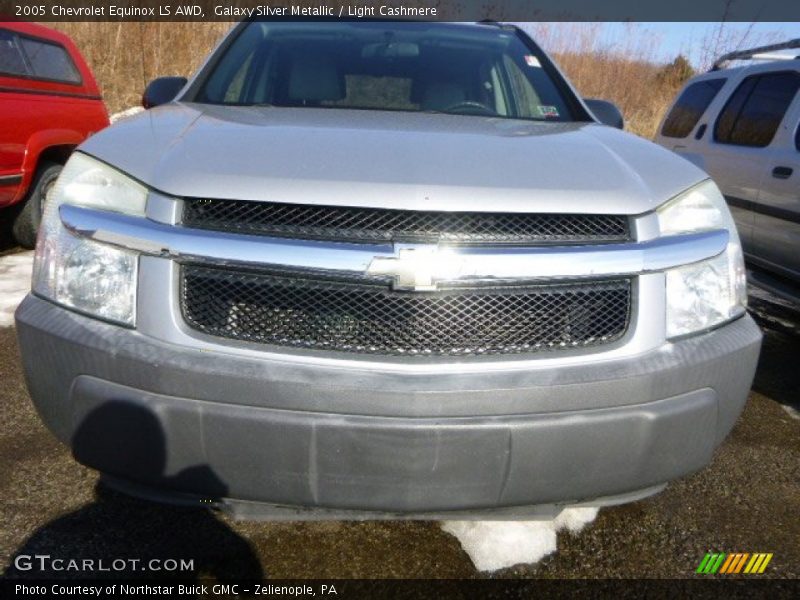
point(493, 23)
point(761, 52)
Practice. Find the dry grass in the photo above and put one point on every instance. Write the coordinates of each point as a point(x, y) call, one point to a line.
point(626, 73)
point(125, 56)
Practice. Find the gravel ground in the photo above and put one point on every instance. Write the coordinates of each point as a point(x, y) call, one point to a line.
point(746, 501)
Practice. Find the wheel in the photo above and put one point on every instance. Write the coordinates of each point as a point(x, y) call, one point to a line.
point(27, 222)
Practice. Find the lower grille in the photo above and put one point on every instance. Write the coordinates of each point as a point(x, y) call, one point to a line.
point(322, 314)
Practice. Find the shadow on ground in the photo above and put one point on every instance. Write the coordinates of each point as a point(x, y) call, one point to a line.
point(134, 538)
point(7, 243)
point(115, 528)
point(778, 375)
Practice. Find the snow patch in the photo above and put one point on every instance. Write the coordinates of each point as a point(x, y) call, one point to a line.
point(15, 282)
point(493, 545)
point(125, 114)
point(575, 519)
point(791, 411)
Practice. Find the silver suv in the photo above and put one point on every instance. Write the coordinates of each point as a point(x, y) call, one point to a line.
point(391, 268)
point(742, 125)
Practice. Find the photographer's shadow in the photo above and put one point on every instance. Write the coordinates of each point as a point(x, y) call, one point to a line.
point(116, 527)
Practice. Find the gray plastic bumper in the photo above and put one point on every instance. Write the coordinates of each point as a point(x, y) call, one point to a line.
point(209, 426)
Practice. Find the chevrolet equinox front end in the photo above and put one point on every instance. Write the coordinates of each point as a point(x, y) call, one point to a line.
point(390, 268)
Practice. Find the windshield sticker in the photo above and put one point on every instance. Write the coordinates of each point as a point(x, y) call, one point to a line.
point(547, 111)
point(532, 61)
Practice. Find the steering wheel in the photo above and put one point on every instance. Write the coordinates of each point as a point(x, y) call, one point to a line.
point(470, 104)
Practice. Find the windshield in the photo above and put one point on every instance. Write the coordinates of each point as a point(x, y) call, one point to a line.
point(429, 67)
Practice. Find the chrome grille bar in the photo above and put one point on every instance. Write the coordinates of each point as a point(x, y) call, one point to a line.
point(461, 264)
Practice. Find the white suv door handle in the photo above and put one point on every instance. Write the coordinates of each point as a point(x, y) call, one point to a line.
point(782, 172)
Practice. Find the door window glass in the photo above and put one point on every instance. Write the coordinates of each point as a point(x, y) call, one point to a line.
point(49, 61)
point(756, 108)
point(11, 61)
point(690, 106)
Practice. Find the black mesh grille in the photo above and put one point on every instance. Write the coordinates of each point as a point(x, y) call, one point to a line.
point(379, 225)
point(374, 319)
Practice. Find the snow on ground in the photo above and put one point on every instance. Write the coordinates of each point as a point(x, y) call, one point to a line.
point(493, 545)
point(792, 412)
point(15, 282)
point(125, 114)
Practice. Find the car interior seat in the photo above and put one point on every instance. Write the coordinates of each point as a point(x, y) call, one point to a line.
point(440, 95)
point(314, 79)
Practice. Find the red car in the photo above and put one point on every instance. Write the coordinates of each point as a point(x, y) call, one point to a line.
point(49, 103)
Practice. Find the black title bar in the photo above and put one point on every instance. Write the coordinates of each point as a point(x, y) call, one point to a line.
point(439, 10)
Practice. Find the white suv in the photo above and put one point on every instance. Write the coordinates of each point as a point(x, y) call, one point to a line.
point(742, 126)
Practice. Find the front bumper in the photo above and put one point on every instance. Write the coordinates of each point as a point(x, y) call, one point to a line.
point(202, 426)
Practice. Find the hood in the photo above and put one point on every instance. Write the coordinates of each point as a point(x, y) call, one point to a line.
point(385, 159)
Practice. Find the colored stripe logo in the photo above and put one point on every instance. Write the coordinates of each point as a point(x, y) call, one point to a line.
point(737, 562)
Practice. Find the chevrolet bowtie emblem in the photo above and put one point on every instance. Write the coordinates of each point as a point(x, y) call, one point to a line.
point(414, 267)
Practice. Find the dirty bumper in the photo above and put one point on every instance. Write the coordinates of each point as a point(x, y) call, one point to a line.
point(181, 425)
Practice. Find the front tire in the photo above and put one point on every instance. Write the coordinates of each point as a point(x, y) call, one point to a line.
point(27, 222)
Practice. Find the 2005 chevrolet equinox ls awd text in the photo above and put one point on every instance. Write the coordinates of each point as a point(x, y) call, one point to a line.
point(385, 268)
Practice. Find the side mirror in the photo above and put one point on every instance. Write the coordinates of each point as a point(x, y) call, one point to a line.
point(162, 90)
point(606, 112)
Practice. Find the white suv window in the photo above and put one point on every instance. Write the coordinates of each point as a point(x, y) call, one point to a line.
point(690, 106)
point(754, 111)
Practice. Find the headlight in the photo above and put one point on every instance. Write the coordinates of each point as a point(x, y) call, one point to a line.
point(88, 276)
point(704, 294)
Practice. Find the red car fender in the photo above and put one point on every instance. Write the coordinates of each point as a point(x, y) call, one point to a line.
point(37, 144)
